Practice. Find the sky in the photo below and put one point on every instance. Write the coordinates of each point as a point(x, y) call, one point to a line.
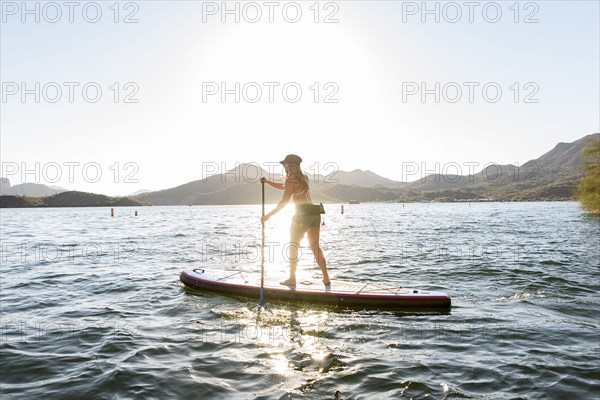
point(115, 97)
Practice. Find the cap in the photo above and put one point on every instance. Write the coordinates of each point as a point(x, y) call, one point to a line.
point(291, 159)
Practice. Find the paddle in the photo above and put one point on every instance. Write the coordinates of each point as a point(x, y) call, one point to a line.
point(262, 252)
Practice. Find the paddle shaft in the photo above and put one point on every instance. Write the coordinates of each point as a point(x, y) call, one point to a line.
point(262, 251)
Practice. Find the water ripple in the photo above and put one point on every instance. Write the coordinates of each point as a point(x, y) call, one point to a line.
point(92, 306)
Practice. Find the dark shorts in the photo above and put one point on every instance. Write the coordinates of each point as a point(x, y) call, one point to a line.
point(307, 221)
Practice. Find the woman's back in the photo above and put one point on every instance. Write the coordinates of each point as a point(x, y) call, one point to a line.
point(301, 193)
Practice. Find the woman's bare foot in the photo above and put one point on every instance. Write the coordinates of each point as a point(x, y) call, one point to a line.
point(328, 283)
point(289, 282)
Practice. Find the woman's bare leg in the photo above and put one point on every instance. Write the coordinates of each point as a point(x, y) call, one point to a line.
point(313, 235)
point(296, 234)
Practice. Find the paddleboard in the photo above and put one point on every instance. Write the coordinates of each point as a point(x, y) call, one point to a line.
point(339, 294)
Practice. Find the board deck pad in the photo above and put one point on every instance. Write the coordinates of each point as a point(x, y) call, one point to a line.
point(340, 293)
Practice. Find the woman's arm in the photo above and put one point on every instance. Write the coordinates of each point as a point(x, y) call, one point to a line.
point(276, 185)
point(287, 194)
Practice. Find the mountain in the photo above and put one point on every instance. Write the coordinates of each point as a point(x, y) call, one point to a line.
point(30, 190)
point(68, 199)
point(4, 184)
point(240, 185)
point(552, 176)
point(359, 177)
point(565, 158)
point(138, 192)
point(346, 193)
point(237, 186)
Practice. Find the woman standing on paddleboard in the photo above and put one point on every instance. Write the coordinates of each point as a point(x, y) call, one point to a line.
point(306, 220)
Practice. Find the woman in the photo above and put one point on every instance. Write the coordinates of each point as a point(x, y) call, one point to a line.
point(305, 220)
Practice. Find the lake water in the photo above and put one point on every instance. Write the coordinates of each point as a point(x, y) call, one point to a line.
point(92, 306)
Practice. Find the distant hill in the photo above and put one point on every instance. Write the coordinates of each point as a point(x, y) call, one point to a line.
point(565, 158)
point(236, 186)
point(138, 192)
point(68, 199)
point(346, 193)
point(359, 177)
point(31, 190)
point(552, 176)
point(20, 202)
point(4, 184)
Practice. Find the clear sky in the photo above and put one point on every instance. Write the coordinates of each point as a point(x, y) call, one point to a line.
point(512, 79)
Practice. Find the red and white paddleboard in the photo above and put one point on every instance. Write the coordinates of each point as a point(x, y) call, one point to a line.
point(339, 294)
